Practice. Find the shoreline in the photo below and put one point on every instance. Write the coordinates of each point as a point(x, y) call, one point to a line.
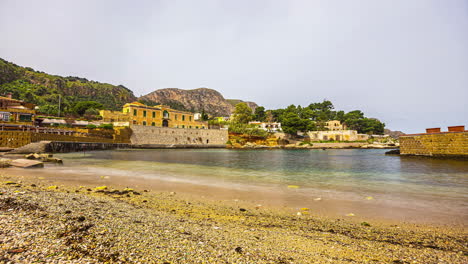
point(333, 204)
point(158, 226)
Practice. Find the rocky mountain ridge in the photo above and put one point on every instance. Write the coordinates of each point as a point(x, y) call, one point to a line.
point(196, 100)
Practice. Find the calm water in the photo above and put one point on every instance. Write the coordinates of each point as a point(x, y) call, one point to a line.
point(347, 173)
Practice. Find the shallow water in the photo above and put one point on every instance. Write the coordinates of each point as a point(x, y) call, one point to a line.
point(438, 185)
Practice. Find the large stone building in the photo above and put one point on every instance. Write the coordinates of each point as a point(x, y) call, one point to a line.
point(16, 112)
point(160, 116)
point(337, 135)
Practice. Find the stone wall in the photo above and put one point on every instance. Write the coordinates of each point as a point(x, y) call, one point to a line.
point(446, 144)
point(147, 135)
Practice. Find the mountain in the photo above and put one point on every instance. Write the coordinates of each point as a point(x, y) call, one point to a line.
point(393, 134)
point(196, 100)
point(46, 90)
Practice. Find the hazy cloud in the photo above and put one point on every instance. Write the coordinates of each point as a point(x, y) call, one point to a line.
point(404, 62)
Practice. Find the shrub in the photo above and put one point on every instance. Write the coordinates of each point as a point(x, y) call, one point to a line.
point(107, 126)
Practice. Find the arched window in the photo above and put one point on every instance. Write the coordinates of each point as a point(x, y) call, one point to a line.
point(144, 123)
point(165, 114)
point(153, 124)
point(183, 117)
point(154, 114)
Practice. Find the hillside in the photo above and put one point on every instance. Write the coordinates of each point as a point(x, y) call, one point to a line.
point(196, 100)
point(45, 89)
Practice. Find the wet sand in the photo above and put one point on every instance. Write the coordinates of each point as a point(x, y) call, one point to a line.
point(66, 220)
point(363, 207)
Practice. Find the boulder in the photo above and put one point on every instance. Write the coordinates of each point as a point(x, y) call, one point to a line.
point(26, 163)
point(4, 163)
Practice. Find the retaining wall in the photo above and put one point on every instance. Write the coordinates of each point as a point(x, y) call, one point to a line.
point(149, 136)
point(446, 144)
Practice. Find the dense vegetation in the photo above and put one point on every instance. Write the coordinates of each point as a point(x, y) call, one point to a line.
point(310, 118)
point(313, 117)
point(47, 91)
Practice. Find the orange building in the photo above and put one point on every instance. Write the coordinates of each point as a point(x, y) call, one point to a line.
point(160, 116)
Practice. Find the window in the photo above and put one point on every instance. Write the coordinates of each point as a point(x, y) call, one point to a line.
point(190, 126)
point(190, 118)
point(183, 118)
point(165, 114)
point(134, 112)
point(183, 126)
point(144, 113)
point(175, 117)
point(153, 124)
point(144, 123)
point(154, 114)
point(196, 127)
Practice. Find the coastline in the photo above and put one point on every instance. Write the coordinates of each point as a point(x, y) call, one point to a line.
point(158, 226)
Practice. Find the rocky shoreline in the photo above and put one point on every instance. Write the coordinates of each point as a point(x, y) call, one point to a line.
point(314, 145)
point(45, 221)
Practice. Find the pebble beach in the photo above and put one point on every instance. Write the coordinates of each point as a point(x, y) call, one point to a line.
point(56, 222)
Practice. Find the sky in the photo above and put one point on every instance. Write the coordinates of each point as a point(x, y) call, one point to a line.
point(403, 62)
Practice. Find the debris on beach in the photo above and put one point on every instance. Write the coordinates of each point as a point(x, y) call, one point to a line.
point(369, 198)
point(318, 199)
point(293, 186)
point(350, 214)
point(100, 188)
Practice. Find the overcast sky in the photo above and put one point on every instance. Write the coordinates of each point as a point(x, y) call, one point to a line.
point(404, 62)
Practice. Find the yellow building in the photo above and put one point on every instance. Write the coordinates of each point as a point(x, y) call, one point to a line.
point(160, 116)
point(334, 125)
point(16, 112)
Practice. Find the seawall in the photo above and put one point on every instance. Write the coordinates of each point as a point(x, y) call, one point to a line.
point(443, 144)
point(158, 137)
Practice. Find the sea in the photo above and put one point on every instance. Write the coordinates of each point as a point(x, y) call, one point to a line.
point(413, 185)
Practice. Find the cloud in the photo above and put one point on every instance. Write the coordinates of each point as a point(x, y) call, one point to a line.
point(403, 62)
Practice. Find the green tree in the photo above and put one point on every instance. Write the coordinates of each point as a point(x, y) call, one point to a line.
point(242, 114)
point(260, 114)
point(81, 107)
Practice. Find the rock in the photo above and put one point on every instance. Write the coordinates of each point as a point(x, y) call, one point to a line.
point(4, 163)
point(242, 209)
point(393, 152)
point(25, 163)
point(81, 218)
point(5, 149)
point(208, 100)
point(239, 250)
point(365, 224)
point(55, 160)
point(36, 147)
point(32, 156)
point(10, 183)
point(100, 188)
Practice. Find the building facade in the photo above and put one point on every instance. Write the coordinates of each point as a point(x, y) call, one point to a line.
point(159, 116)
point(337, 135)
point(270, 127)
point(16, 112)
point(334, 125)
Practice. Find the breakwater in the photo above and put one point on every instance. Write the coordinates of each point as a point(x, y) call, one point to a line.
point(439, 144)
